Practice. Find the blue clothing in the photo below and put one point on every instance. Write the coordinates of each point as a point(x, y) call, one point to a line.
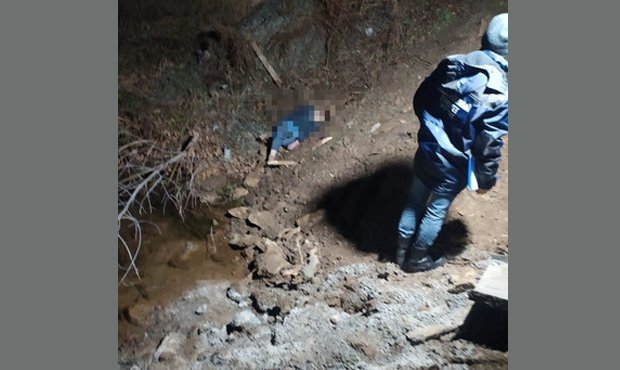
point(427, 220)
point(297, 125)
point(463, 112)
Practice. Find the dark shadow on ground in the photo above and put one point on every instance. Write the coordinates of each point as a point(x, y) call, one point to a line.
point(367, 210)
point(486, 326)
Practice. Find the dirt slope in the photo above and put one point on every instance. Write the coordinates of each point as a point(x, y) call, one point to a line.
point(354, 308)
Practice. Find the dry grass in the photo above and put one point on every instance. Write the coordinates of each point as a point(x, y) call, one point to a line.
point(167, 94)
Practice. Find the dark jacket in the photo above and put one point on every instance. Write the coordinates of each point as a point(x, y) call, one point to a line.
point(463, 111)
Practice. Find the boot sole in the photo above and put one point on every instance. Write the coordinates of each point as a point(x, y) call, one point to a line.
point(437, 263)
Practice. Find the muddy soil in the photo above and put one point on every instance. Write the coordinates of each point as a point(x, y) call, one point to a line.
point(302, 277)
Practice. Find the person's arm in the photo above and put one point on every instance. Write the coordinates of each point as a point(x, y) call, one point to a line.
point(490, 128)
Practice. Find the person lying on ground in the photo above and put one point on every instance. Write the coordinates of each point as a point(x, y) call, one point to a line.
point(296, 127)
point(463, 112)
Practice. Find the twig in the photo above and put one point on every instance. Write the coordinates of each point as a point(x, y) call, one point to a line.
point(140, 186)
point(132, 263)
point(281, 163)
point(133, 143)
point(433, 333)
point(152, 224)
point(441, 45)
point(265, 62)
point(213, 247)
point(322, 142)
point(301, 256)
point(423, 60)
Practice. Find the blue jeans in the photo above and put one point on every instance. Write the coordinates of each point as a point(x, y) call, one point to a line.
point(289, 132)
point(426, 220)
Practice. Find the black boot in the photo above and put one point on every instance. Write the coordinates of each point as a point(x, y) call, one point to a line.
point(419, 260)
point(401, 249)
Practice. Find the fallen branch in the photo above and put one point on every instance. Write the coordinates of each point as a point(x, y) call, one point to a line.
point(435, 331)
point(432, 332)
point(265, 62)
point(146, 170)
point(322, 142)
point(301, 256)
point(276, 163)
point(132, 261)
point(213, 245)
point(145, 182)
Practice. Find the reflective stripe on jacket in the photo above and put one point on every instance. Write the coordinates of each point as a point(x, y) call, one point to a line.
point(463, 111)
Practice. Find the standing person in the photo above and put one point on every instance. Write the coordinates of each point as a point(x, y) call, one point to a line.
point(294, 128)
point(463, 111)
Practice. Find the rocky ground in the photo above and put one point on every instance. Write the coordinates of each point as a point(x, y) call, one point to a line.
point(314, 285)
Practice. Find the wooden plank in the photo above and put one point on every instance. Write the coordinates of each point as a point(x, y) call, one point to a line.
point(265, 63)
point(492, 289)
point(322, 142)
point(275, 163)
point(420, 335)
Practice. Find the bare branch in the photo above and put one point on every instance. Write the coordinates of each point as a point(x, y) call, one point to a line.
point(137, 190)
point(146, 170)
